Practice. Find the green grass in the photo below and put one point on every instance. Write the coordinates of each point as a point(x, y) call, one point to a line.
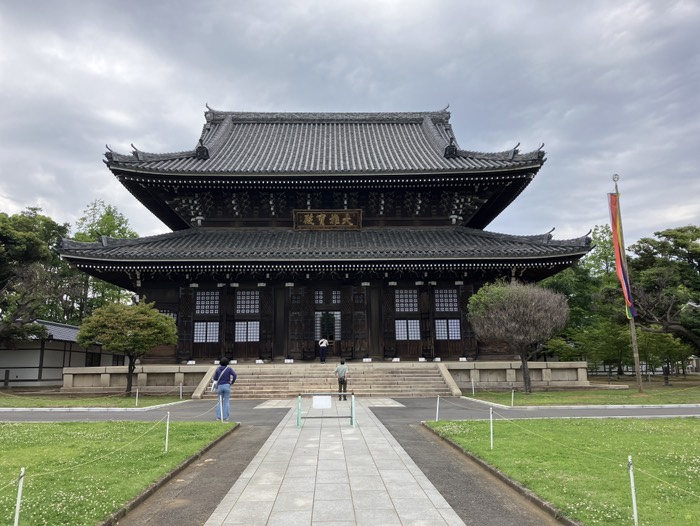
point(9, 400)
point(580, 465)
point(654, 393)
point(80, 473)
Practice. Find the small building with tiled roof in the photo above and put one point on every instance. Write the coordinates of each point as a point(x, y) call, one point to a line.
point(366, 229)
point(39, 362)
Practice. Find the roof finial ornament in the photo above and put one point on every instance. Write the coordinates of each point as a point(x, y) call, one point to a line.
point(514, 151)
point(206, 104)
point(110, 149)
point(541, 146)
point(134, 147)
point(446, 107)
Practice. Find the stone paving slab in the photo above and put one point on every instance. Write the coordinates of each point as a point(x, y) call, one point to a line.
point(329, 472)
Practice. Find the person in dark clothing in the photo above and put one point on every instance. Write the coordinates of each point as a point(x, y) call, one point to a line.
point(224, 377)
point(341, 372)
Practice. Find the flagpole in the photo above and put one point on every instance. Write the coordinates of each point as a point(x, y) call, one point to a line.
point(633, 329)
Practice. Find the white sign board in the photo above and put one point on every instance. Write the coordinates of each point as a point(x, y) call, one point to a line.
point(322, 402)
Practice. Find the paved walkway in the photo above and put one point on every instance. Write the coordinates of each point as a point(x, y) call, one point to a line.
point(330, 473)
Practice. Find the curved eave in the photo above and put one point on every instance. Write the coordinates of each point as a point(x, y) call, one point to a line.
point(144, 185)
point(379, 263)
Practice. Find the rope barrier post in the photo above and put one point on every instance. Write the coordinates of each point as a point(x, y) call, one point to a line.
point(180, 390)
point(473, 392)
point(491, 424)
point(19, 496)
point(167, 431)
point(437, 409)
point(299, 411)
point(512, 397)
point(634, 496)
point(352, 409)
point(137, 397)
point(221, 408)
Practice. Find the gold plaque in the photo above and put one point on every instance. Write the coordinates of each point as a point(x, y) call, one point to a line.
point(328, 219)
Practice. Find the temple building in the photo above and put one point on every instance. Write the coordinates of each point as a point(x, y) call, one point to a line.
point(363, 228)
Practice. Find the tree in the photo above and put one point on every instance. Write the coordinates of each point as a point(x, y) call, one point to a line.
point(131, 330)
point(521, 316)
point(98, 220)
point(600, 261)
point(28, 267)
point(666, 280)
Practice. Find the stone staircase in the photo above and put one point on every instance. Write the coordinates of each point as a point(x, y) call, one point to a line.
point(393, 379)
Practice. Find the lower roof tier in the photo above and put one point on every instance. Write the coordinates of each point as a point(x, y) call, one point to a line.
point(380, 249)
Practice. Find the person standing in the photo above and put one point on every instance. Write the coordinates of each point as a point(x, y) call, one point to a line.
point(323, 349)
point(341, 372)
point(224, 377)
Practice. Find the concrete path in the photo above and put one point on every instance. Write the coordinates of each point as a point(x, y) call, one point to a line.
point(329, 472)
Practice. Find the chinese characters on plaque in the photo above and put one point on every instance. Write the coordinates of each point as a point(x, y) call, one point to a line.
point(327, 219)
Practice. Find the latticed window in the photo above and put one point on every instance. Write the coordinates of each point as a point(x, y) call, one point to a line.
point(247, 302)
point(359, 298)
point(447, 329)
point(206, 331)
point(296, 299)
point(407, 329)
point(446, 300)
point(247, 331)
point(335, 297)
point(406, 300)
point(318, 297)
point(207, 302)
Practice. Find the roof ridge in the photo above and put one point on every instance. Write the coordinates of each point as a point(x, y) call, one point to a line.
point(397, 116)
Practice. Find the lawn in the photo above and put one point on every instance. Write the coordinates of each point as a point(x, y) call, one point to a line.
point(80, 473)
point(33, 400)
point(680, 391)
point(580, 465)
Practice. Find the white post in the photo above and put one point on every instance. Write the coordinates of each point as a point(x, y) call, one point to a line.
point(299, 411)
point(437, 409)
point(180, 390)
point(512, 397)
point(352, 409)
point(634, 496)
point(221, 408)
point(472, 386)
point(491, 424)
point(167, 431)
point(137, 397)
point(19, 496)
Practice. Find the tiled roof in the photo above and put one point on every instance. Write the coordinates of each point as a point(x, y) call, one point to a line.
point(325, 143)
point(217, 245)
point(60, 331)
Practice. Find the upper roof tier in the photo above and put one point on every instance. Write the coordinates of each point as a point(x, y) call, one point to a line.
point(242, 143)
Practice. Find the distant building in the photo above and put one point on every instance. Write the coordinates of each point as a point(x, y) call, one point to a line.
point(363, 228)
point(40, 361)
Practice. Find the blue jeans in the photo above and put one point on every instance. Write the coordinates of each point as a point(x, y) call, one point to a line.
point(224, 394)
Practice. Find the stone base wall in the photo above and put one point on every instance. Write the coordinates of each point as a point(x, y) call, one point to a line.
point(155, 379)
point(501, 375)
point(164, 379)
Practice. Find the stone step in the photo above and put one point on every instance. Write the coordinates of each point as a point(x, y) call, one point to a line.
point(367, 379)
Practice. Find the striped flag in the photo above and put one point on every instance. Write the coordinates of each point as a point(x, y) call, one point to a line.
point(620, 258)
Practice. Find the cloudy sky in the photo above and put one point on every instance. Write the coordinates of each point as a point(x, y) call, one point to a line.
point(608, 86)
